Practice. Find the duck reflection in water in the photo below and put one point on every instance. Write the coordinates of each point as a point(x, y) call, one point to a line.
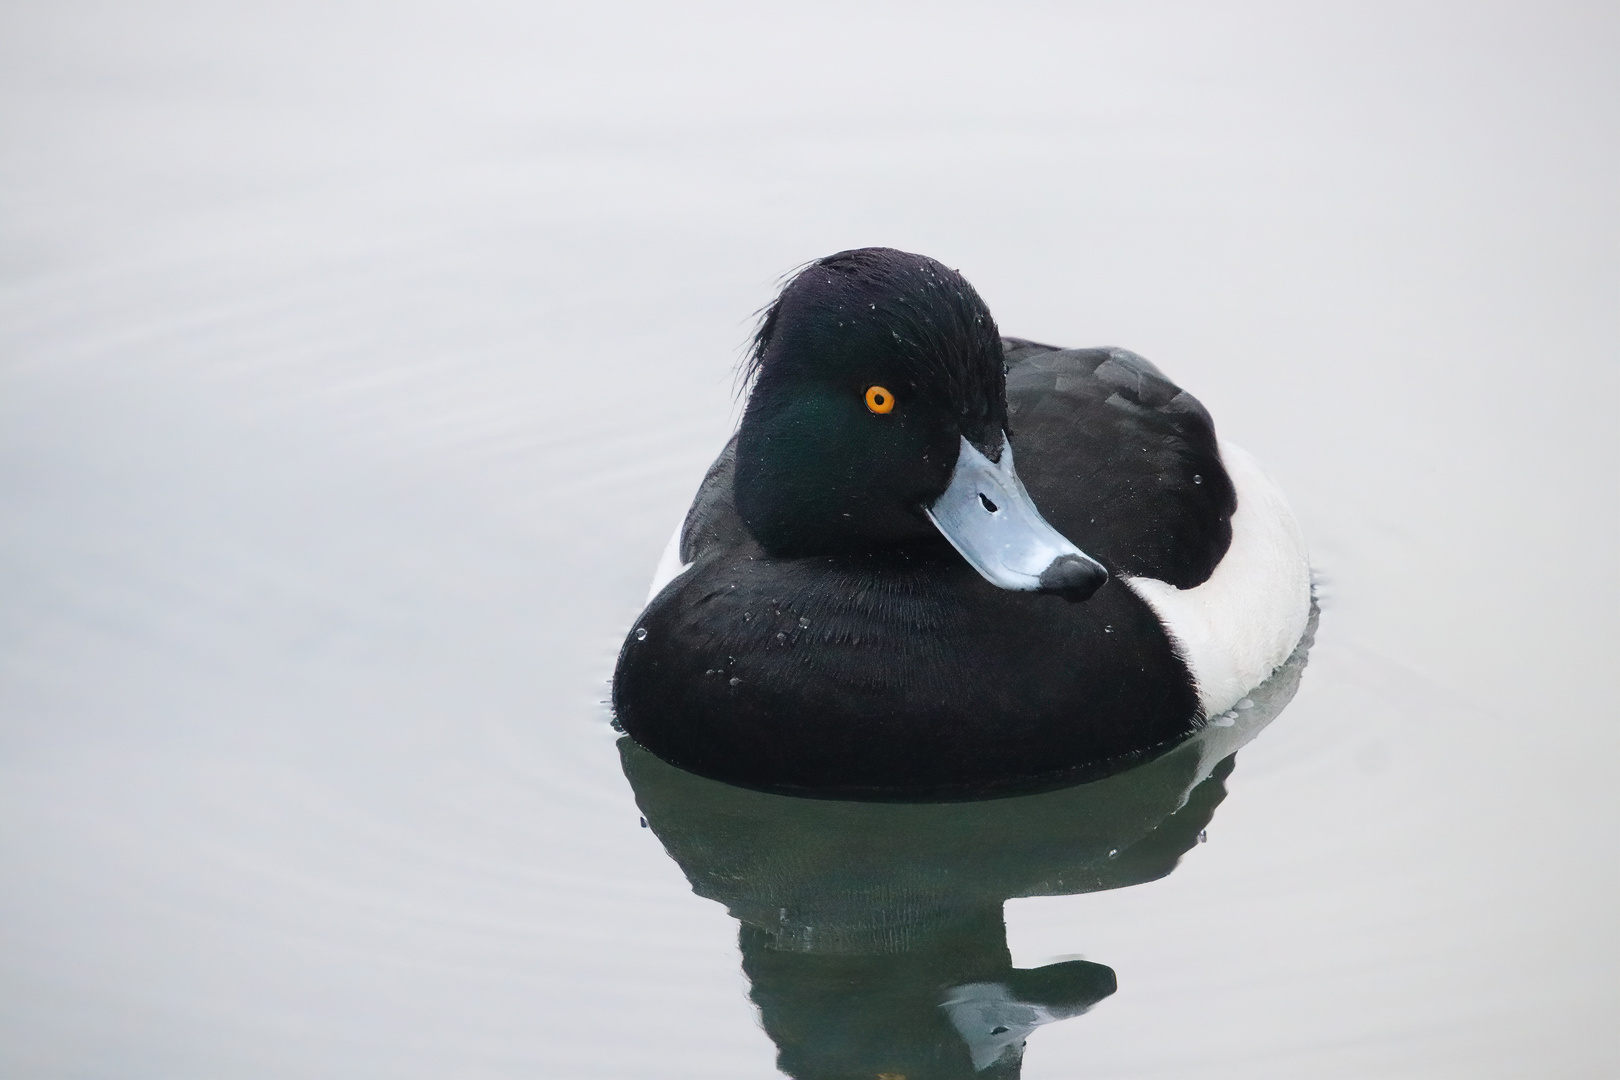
point(872, 933)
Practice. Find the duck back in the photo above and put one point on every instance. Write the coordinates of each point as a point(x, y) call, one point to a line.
point(1120, 459)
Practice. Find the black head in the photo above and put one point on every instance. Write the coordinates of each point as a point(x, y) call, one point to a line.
point(869, 369)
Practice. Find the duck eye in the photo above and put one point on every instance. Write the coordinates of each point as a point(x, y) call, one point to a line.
point(879, 400)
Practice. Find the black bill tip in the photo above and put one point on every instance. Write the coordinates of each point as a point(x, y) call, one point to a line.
point(1073, 578)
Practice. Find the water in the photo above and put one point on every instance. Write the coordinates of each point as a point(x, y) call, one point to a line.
point(358, 359)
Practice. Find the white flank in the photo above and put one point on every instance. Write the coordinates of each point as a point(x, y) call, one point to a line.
point(670, 566)
point(1240, 625)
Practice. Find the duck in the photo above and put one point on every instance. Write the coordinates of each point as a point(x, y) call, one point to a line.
point(938, 564)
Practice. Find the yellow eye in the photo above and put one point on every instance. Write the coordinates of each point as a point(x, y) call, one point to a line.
point(879, 400)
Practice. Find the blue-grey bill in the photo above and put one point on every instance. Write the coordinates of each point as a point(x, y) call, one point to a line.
point(989, 518)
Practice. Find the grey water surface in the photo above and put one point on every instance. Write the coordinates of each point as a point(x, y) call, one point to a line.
point(356, 360)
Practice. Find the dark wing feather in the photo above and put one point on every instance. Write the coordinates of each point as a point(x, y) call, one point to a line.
point(713, 524)
point(1120, 459)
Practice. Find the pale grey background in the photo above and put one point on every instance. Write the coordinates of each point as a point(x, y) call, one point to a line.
point(357, 358)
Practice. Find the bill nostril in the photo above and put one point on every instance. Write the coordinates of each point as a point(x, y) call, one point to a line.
point(1073, 578)
point(988, 505)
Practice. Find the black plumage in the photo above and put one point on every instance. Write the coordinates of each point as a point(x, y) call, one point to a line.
point(852, 652)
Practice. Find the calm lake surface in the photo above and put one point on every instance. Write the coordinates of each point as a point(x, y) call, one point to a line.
point(357, 359)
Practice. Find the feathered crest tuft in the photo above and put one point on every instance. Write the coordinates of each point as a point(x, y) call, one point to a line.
point(942, 332)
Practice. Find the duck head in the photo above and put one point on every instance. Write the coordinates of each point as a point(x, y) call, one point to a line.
point(878, 420)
